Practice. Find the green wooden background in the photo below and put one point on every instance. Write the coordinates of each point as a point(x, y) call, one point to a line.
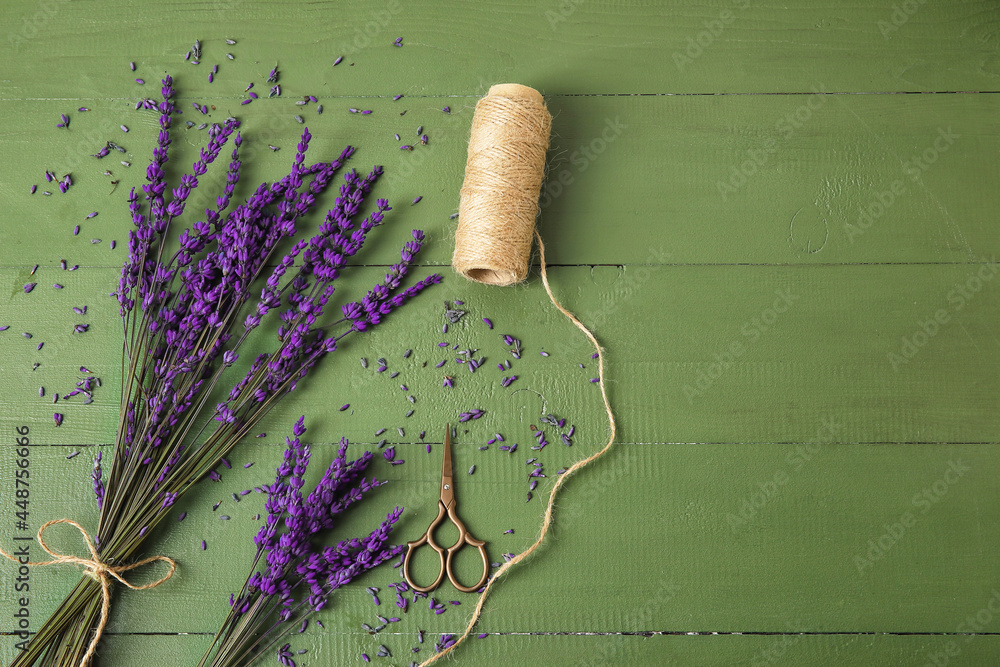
point(779, 220)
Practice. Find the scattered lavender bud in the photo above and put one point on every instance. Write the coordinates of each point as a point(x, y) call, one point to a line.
point(417, 200)
point(183, 515)
point(396, 98)
point(140, 81)
point(345, 406)
point(131, 66)
point(339, 60)
point(29, 287)
point(203, 545)
point(446, 109)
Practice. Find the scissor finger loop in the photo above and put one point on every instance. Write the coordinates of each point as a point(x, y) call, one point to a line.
point(481, 547)
point(427, 538)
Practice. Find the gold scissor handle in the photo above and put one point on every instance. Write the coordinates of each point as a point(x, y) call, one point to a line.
point(428, 538)
point(463, 538)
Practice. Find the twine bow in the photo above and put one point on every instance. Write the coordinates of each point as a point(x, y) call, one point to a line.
point(97, 570)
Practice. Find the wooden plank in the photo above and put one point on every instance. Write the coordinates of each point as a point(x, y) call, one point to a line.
point(797, 179)
point(706, 538)
point(737, 354)
point(454, 48)
point(591, 651)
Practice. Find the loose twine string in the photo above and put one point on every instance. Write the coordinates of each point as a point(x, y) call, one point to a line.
point(99, 571)
point(505, 264)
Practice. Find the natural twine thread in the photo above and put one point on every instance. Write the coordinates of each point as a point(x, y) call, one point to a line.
point(560, 479)
point(503, 178)
point(98, 570)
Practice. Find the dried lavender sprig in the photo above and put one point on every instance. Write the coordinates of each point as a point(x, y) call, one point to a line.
point(168, 373)
point(291, 575)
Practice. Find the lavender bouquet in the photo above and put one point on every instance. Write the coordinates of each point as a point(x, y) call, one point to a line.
point(187, 314)
point(298, 575)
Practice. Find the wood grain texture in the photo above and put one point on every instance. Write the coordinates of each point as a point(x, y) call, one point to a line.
point(578, 47)
point(795, 284)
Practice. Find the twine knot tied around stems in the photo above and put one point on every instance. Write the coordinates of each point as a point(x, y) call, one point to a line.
point(97, 570)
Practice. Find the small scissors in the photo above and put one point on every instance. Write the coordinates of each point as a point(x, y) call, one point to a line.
point(446, 505)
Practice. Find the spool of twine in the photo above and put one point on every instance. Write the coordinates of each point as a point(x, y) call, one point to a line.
point(503, 178)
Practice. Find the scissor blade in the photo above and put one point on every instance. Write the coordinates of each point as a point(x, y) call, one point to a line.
point(446, 463)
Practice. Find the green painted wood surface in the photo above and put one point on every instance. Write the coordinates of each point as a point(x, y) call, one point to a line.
point(795, 285)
